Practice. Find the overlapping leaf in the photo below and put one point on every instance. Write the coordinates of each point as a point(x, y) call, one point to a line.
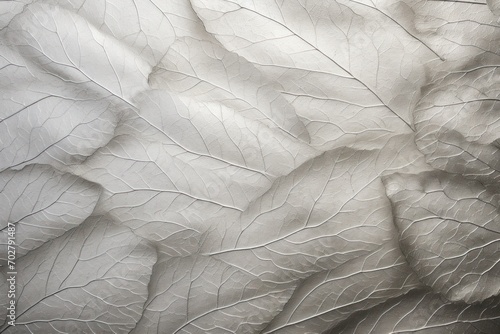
point(43, 204)
point(53, 122)
point(160, 197)
point(62, 103)
point(141, 25)
point(336, 60)
point(187, 168)
point(425, 312)
point(456, 30)
point(458, 122)
point(93, 279)
point(208, 72)
point(449, 231)
point(199, 294)
point(65, 45)
point(326, 212)
point(325, 299)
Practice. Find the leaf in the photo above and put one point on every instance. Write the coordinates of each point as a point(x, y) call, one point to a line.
point(207, 72)
point(51, 38)
point(457, 123)
point(93, 279)
point(156, 204)
point(50, 128)
point(43, 204)
point(346, 90)
point(449, 232)
point(199, 294)
point(210, 133)
point(324, 213)
point(141, 25)
point(457, 30)
point(424, 312)
point(325, 299)
point(149, 26)
point(161, 197)
point(61, 117)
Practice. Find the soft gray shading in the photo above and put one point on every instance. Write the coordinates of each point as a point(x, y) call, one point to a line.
point(233, 166)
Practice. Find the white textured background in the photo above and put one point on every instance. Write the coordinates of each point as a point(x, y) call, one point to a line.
point(210, 166)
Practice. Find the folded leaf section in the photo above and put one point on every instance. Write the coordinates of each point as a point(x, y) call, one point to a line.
point(67, 83)
point(458, 122)
point(177, 166)
point(449, 229)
